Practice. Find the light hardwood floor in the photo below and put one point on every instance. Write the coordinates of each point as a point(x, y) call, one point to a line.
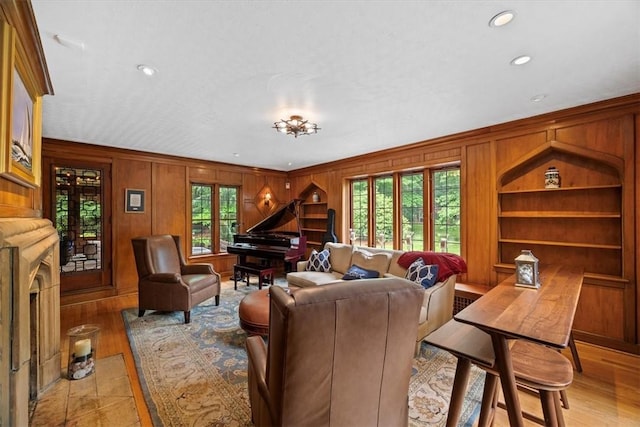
point(606, 393)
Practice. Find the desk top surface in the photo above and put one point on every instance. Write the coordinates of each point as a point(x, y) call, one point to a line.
point(543, 315)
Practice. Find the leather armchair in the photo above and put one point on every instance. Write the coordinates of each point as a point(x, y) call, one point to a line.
point(338, 355)
point(166, 282)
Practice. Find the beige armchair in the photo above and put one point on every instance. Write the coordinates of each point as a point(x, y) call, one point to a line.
point(338, 355)
point(166, 282)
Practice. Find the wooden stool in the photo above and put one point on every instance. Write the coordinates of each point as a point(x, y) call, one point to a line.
point(265, 273)
point(538, 368)
point(535, 366)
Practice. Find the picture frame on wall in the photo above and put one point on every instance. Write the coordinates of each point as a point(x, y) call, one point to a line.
point(134, 200)
point(20, 140)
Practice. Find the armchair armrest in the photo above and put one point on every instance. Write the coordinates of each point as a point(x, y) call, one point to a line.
point(164, 277)
point(263, 412)
point(198, 268)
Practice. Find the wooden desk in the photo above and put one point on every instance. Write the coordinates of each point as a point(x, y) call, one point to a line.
point(543, 315)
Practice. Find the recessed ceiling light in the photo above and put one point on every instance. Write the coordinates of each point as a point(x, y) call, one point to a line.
point(538, 98)
point(236, 154)
point(149, 71)
point(520, 60)
point(503, 18)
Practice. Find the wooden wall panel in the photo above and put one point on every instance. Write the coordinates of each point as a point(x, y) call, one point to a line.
point(604, 135)
point(599, 311)
point(478, 213)
point(514, 147)
point(170, 188)
point(129, 174)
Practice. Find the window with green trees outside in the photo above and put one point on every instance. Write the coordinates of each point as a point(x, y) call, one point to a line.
point(397, 218)
point(205, 237)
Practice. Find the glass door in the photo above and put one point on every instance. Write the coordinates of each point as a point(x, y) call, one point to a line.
point(80, 211)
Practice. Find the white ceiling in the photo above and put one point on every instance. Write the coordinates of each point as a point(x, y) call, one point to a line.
point(371, 74)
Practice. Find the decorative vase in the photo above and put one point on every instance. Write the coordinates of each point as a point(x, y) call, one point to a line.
point(315, 197)
point(552, 178)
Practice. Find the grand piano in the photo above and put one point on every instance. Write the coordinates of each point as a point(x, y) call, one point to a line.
point(265, 242)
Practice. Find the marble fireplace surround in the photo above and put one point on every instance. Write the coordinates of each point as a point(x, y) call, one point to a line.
point(29, 314)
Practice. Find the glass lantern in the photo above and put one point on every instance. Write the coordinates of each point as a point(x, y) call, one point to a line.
point(527, 273)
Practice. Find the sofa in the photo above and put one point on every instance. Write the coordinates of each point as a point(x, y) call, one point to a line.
point(437, 304)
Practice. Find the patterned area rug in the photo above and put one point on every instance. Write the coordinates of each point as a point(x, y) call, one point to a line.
point(196, 374)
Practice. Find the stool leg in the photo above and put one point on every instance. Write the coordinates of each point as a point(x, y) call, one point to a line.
point(235, 279)
point(574, 353)
point(548, 408)
point(489, 398)
point(564, 399)
point(556, 401)
point(457, 393)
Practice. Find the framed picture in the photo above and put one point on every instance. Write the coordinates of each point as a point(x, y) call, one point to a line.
point(134, 200)
point(21, 108)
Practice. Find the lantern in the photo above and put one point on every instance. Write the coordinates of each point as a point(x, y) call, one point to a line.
point(527, 273)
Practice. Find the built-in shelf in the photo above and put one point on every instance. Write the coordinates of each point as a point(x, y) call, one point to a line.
point(578, 224)
point(564, 244)
point(558, 214)
point(313, 216)
point(316, 230)
point(551, 190)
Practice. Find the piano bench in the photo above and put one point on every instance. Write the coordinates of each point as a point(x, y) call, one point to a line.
point(265, 274)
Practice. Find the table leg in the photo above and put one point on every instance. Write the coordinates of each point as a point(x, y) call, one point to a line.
point(459, 389)
point(507, 379)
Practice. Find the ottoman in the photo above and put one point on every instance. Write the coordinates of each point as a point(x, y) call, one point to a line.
point(254, 313)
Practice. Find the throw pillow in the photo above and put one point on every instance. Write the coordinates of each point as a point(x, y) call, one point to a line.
point(319, 261)
point(355, 272)
point(423, 274)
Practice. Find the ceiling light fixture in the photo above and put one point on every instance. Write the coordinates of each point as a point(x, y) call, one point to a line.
point(538, 98)
point(149, 71)
point(295, 126)
point(503, 18)
point(520, 60)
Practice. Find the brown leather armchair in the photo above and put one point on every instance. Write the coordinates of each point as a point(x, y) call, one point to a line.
point(166, 282)
point(339, 354)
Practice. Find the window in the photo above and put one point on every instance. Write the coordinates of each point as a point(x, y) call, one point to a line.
point(228, 215)
point(383, 202)
point(446, 210)
point(389, 211)
point(206, 238)
point(359, 212)
point(412, 209)
point(201, 219)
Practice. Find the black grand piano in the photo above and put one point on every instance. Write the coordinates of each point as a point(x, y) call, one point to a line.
point(265, 242)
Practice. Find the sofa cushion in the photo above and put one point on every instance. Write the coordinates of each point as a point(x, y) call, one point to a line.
point(340, 256)
point(423, 274)
point(395, 269)
point(305, 279)
point(371, 261)
point(356, 272)
point(319, 261)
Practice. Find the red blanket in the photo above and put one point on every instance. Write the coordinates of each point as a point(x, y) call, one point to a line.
point(448, 264)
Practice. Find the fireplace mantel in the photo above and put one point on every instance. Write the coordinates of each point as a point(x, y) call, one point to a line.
point(29, 314)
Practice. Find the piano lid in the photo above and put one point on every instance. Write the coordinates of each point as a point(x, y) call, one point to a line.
point(282, 216)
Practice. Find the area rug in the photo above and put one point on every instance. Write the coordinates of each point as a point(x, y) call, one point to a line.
point(196, 374)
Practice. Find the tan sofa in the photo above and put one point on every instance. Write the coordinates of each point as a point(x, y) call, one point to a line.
point(437, 305)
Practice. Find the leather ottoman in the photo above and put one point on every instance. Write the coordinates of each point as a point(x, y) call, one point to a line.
point(254, 313)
